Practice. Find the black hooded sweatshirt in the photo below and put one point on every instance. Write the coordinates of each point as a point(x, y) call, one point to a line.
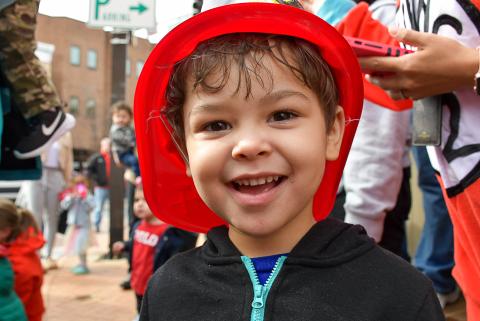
point(335, 273)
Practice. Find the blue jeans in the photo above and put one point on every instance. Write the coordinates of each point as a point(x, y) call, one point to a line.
point(434, 256)
point(130, 160)
point(101, 196)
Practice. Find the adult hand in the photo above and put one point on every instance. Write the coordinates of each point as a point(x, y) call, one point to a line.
point(439, 65)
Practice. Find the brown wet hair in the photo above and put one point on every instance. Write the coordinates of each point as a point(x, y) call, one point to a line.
point(215, 57)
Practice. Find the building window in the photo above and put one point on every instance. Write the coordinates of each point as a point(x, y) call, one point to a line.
point(138, 68)
point(90, 107)
point(92, 59)
point(74, 105)
point(75, 55)
point(128, 67)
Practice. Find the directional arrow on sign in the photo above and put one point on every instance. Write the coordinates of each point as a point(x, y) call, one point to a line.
point(140, 8)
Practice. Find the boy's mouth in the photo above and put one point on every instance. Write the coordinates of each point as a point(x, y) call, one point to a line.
point(257, 185)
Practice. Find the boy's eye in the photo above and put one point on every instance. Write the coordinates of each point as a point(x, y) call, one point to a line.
point(283, 115)
point(216, 126)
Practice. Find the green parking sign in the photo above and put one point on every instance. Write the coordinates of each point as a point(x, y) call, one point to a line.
point(123, 14)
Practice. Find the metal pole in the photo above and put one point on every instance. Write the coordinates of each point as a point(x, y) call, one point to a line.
point(119, 43)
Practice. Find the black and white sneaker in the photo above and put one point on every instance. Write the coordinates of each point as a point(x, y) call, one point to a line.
point(49, 126)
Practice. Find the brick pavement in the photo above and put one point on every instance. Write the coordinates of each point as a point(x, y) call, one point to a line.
point(93, 297)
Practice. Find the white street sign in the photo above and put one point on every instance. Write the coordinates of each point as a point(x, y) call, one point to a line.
point(123, 14)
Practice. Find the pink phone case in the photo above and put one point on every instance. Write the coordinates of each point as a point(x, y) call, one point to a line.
point(366, 48)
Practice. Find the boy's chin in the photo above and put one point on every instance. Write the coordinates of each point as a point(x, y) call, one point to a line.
point(256, 229)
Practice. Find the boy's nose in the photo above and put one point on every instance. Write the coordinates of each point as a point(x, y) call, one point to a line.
point(251, 148)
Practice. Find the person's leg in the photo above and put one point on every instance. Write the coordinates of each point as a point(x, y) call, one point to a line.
point(32, 89)
point(464, 209)
point(434, 255)
point(130, 160)
point(473, 310)
point(394, 233)
point(100, 195)
point(82, 259)
point(31, 198)
point(53, 185)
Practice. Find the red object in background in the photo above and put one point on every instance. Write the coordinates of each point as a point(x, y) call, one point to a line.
point(170, 193)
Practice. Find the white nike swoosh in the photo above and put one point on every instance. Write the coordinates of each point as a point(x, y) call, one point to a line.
point(47, 131)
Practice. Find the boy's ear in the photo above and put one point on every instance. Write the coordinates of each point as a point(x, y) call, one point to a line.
point(335, 135)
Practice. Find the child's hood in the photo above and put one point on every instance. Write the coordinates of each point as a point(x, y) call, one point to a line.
point(328, 243)
point(27, 242)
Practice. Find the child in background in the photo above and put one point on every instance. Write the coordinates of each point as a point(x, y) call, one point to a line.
point(262, 108)
point(23, 254)
point(153, 243)
point(79, 203)
point(122, 136)
point(11, 308)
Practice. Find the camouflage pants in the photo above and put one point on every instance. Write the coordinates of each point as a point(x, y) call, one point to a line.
point(32, 89)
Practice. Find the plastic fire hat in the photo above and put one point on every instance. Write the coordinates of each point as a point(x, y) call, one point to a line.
point(170, 193)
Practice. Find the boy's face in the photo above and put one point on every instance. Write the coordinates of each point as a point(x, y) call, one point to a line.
point(140, 206)
point(121, 118)
point(258, 161)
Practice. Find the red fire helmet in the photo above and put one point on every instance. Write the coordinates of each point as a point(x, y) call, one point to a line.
point(170, 193)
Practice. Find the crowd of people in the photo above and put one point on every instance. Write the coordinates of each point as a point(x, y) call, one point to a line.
point(271, 143)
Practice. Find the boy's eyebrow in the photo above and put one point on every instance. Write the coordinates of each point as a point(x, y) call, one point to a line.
point(269, 98)
point(204, 108)
point(280, 94)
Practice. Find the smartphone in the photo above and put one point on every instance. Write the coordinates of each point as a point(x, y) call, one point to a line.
point(367, 48)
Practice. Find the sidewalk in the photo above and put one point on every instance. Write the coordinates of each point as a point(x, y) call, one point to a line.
point(93, 297)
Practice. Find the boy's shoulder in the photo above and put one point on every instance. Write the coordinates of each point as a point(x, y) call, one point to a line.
point(175, 269)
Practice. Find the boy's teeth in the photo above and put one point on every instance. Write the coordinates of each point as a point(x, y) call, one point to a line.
point(257, 181)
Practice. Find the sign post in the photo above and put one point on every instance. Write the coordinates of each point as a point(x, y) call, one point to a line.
point(123, 16)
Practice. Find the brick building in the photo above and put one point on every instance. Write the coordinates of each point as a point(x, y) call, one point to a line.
point(81, 70)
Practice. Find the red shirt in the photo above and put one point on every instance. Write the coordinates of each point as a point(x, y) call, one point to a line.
point(145, 240)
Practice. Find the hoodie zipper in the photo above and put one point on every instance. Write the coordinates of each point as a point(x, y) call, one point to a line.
point(260, 292)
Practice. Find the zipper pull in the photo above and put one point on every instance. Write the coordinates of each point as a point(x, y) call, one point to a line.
point(258, 298)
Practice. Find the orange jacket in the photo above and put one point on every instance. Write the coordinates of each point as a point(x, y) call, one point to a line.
point(23, 254)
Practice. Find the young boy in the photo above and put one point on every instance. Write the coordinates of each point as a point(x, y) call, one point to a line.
point(122, 136)
point(260, 105)
point(153, 243)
